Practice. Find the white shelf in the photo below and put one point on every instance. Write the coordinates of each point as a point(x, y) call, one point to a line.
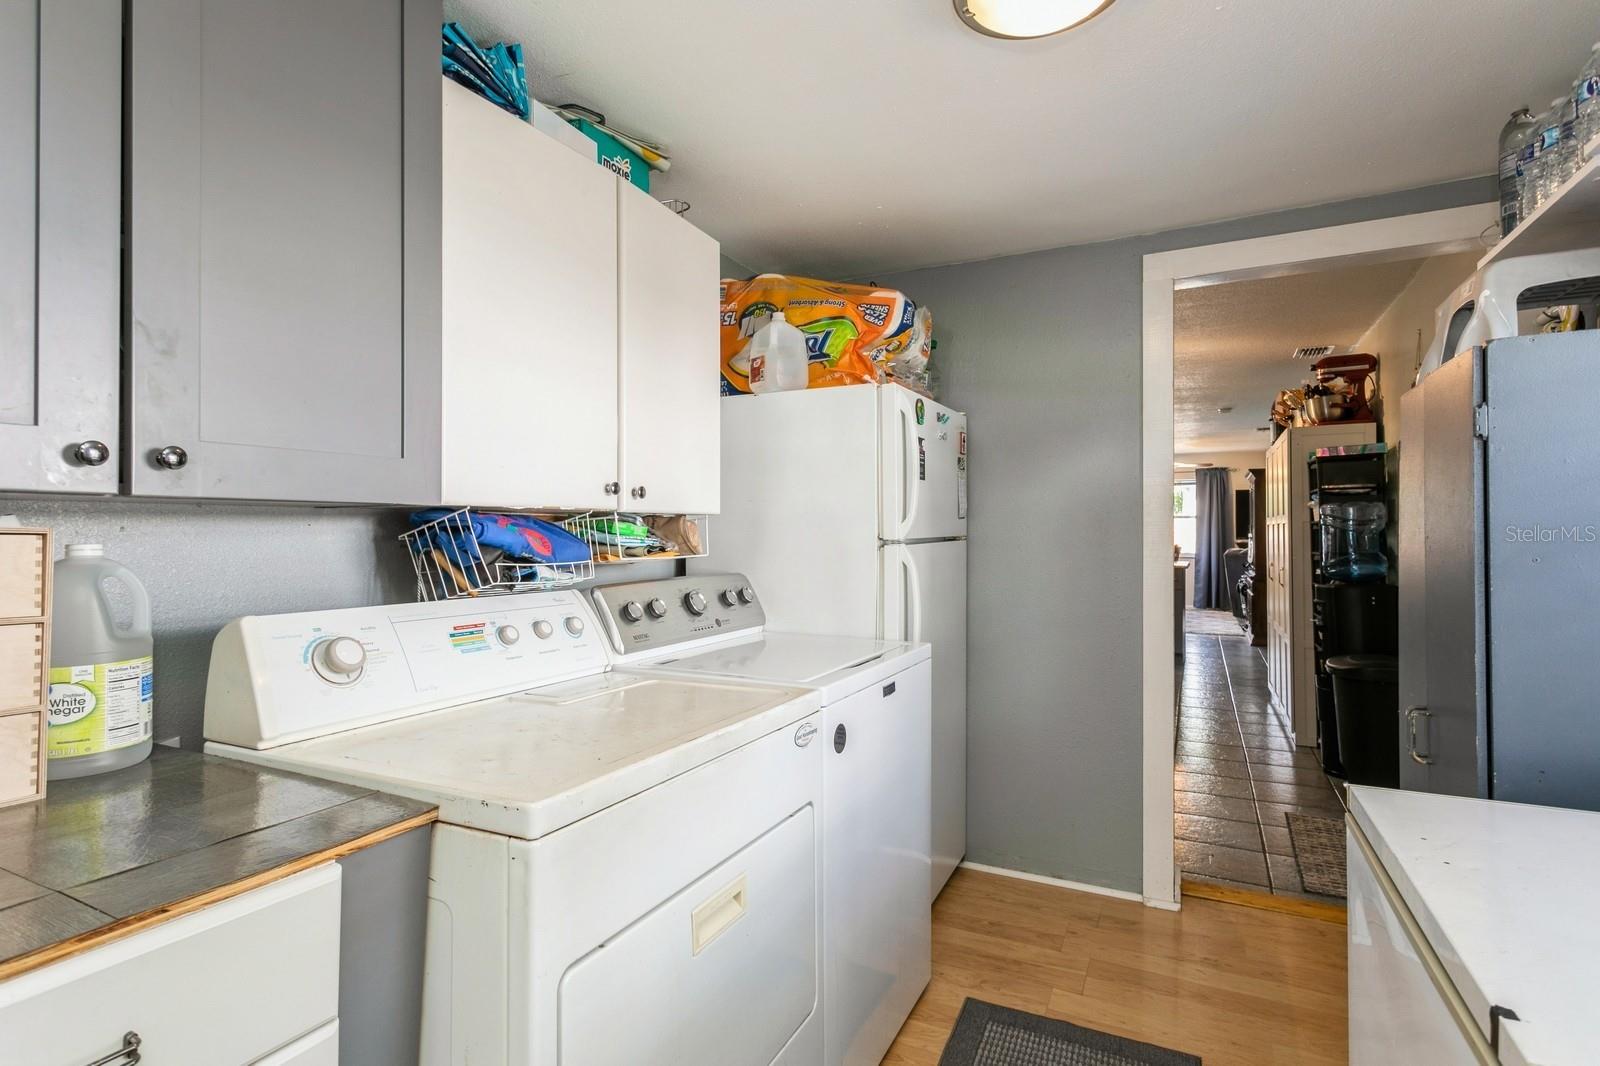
point(1568, 220)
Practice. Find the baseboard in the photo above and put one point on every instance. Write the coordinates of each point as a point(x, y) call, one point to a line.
point(1076, 886)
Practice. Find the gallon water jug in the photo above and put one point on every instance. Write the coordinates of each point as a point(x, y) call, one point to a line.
point(1352, 540)
point(778, 357)
point(101, 680)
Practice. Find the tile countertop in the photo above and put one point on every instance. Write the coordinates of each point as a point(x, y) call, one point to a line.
point(102, 857)
point(1505, 894)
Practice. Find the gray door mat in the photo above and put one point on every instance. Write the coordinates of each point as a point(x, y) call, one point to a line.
point(988, 1035)
point(1318, 841)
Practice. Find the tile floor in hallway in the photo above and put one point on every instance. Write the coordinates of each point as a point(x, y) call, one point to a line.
point(1236, 773)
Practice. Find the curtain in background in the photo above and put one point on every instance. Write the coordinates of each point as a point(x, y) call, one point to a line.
point(1213, 536)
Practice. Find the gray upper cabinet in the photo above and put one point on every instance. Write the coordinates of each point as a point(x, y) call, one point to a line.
point(284, 249)
point(60, 151)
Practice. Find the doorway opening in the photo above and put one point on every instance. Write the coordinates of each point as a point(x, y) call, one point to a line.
point(1228, 759)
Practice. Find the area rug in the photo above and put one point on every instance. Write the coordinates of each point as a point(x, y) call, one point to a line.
point(1318, 841)
point(987, 1035)
point(1208, 623)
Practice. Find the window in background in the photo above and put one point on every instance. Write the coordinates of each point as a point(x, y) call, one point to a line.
point(1183, 517)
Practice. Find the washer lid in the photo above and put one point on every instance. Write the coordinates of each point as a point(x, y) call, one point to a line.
point(837, 664)
point(528, 764)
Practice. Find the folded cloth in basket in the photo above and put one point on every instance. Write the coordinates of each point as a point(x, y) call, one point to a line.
point(522, 538)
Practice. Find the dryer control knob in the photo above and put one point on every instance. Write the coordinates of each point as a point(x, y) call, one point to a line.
point(695, 601)
point(657, 607)
point(543, 630)
point(339, 659)
point(574, 625)
point(631, 611)
point(747, 595)
point(729, 597)
point(508, 635)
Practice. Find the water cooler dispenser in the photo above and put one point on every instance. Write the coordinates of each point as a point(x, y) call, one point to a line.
point(1354, 616)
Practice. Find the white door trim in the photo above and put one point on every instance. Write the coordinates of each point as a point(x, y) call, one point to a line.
point(1403, 237)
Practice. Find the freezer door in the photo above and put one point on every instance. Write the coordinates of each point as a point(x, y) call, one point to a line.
point(924, 450)
point(1542, 557)
point(925, 599)
point(800, 507)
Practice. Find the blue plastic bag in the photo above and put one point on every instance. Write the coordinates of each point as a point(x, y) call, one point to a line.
point(497, 74)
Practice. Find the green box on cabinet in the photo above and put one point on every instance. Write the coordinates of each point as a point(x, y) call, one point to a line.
point(616, 156)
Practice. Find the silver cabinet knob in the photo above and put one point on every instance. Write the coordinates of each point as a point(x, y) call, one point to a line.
point(695, 601)
point(612, 488)
point(91, 452)
point(632, 612)
point(172, 457)
point(638, 492)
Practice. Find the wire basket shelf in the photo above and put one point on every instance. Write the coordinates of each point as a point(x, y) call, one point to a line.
point(451, 561)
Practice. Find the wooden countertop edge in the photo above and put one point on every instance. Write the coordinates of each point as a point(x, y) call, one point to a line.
point(123, 927)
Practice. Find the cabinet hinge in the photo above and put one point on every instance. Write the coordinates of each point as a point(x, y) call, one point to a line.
point(1480, 421)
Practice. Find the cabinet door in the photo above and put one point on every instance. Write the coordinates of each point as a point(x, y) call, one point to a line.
point(530, 315)
point(283, 261)
point(60, 204)
point(671, 436)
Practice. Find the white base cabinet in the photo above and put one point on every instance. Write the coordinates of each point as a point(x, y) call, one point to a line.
point(580, 330)
point(253, 979)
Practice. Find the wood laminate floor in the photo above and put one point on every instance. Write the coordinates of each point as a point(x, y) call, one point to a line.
point(1232, 984)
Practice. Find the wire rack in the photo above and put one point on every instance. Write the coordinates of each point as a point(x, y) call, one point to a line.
point(450, 561)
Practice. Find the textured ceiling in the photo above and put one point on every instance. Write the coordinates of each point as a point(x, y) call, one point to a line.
point(1232, 344)
point(845, 138)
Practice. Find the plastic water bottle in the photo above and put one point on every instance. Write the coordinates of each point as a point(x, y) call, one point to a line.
point(101, 677)
point(1588, 100)
point(1546, 139)
point(1513, 139)
point(1564, 159)
point(778, 357)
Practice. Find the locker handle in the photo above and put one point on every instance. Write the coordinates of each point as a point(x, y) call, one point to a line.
point(718, 914)
point(1421, 758)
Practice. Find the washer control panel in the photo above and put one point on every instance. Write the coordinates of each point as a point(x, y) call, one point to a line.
point(646, 615)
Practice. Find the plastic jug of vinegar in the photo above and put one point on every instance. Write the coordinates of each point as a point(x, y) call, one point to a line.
point(101, 678)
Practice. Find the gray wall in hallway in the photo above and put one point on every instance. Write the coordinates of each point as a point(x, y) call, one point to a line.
point(208, 563)
point(1044, 353)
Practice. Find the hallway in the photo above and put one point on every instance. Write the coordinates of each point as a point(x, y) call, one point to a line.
point(1236, 774)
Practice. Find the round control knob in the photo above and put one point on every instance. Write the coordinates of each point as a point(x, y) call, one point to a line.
point(695, 601)
point(632, 612)
point(543, 630)
point(729, 597)
point(508, 635)
point(339, 659)
point(747, 595)
point(657, 607)
point(574, 625)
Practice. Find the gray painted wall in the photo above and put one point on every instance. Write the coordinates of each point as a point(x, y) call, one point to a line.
point(205, 564)
point(1044, 353)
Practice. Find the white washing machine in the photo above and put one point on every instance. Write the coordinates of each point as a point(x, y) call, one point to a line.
point(627, 868)
point(877, 766)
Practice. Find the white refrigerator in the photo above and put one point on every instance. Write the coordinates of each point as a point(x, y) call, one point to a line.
point(847, 508)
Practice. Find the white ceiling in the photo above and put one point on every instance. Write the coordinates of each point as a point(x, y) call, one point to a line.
point(1232, 345)
point(843, 138)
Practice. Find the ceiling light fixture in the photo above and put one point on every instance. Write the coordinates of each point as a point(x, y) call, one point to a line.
point(1017, 20)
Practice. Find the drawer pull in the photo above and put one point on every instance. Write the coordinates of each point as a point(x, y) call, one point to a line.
point(126, 1055)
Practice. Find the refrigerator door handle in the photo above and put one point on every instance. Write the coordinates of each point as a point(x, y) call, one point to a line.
point(913, 598)
point(908, 472)
point(1421, 758)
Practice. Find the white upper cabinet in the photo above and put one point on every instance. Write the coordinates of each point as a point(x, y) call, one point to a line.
point(60, 166)
point(671, 436)
point(283, 249)
point(580, 330)
point(530, 315)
